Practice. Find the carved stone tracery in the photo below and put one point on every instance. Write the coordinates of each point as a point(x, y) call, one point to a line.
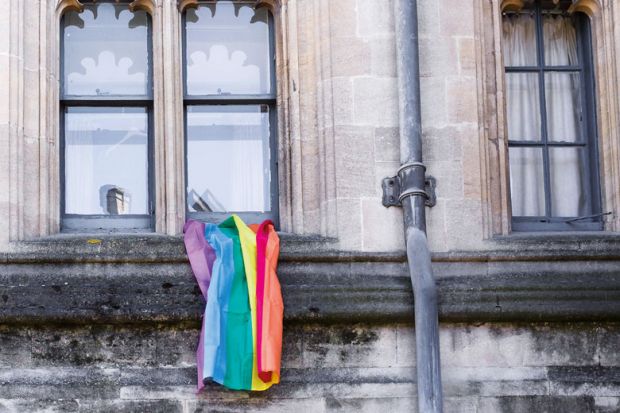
point(512, 5)
point(64, 6)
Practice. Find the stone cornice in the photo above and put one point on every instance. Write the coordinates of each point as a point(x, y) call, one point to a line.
point(325, 287)
point(154, 248)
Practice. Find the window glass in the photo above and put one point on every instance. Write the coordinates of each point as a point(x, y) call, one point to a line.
point(230, 111)
point(105, 51)
point(106, 161)
point(568, 170)
point(523, 106)
point(228, 158)
point(551, 129)
point(564, 110)
point(228, 49)
point(520, 40)
point(527, 182)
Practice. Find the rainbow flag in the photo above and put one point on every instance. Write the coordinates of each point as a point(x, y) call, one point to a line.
point(235, 265)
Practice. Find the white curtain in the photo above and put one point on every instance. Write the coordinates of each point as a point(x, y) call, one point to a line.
point(562, 97)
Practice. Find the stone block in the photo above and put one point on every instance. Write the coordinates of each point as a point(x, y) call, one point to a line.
point(101, 347)
point(382, 227)
point(341, 389)
point(405, 346)
point(32, 115)
point(131, 406)
point(355, 161)
point(558, 344)
point(433, 95)
point(438, 56)
point(258, 404)
point(16, 346)
point(157, 376)
point(609, 339)
point(349, 211)
point(350, 56)
point(445, 143)
point(5, 30)
point(472, 183)
point(383, 56)
point(483, 346)
point(461, 100)
point(387, 144)
point(349, 346)
point(538, 404)
point(4, 93)
point(370, 405)
point(464, 224)
point(343, 18)
point(449, 176)
point(384, 170)
point(179, 392)
point(292, 347)
point(38, 405)
point(607, 404)
point(597, 381)
point(375, 101)
point(428, 19)
point(375, 17)
point(456, 18)
point(30, 38)
point(342, 93)
point(491, 387)
point(460, 405)
point(436, 227)
point(466, 47)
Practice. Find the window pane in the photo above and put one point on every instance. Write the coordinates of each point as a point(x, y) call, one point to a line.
point(560, 41)
point(519, 40)
point(563, 101)
point(523, 106)
point(568, 182)
point(106, 161)
point(527, 185)
point(227, 49)
point(228, 158)
point(105, 51)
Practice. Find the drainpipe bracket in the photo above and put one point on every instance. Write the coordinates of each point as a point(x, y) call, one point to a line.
point(393, 192)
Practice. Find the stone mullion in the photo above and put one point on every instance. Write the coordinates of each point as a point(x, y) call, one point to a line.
point(607, 42)
point(16, 133)
point(5, 189)
point(326, 123)
point(52, 65)
point(170, 136)
point(284, 87)
point(308, 83)
point(32, 167)
point(292, 144)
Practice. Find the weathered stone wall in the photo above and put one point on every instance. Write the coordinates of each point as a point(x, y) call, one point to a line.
point(339, 368)
point(338, 119)
point(112, 326)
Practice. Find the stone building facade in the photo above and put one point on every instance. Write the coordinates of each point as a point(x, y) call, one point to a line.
point(108, 321)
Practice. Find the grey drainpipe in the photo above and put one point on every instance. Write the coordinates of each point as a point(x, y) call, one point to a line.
point(413, 191)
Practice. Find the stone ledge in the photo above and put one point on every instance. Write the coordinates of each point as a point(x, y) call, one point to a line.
point(180, 382)
point(156, 248)
point(359, 291)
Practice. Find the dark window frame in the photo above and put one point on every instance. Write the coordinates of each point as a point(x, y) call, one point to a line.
point(269, 99)
point(102, 222)
point(592, 190)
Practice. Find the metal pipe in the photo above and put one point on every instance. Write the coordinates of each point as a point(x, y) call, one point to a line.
point(412, 180)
